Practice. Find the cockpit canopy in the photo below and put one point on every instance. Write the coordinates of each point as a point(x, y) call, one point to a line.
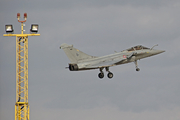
point(138, 47)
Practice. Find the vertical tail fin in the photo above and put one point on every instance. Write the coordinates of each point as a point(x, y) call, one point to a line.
point(74, 54)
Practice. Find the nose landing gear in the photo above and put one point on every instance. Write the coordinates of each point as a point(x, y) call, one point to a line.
point(137, 69)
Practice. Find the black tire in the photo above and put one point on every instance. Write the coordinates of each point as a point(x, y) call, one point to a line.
point(110, 75)
point(101, 75)
point(137, 69)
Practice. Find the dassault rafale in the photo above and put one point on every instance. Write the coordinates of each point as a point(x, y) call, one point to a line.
point(82, 61)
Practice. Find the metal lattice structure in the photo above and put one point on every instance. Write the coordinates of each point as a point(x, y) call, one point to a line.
point(22, 105)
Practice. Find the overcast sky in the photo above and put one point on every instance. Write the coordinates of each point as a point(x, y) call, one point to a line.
point(96, 27)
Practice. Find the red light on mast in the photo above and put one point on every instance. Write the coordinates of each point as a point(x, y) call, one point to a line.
point(25, 15)
point(18, 15)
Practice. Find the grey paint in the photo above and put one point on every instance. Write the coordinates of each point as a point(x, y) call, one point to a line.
point(82, 61)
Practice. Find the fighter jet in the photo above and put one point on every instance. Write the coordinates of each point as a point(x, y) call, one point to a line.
point(82, 61)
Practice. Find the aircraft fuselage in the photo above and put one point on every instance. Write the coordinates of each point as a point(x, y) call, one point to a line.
point(82, 61)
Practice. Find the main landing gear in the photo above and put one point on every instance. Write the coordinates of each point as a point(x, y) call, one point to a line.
point(110, 74)
point(137, 69)
point(101, 74)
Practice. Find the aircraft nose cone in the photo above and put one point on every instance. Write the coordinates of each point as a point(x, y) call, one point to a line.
point(159, 51)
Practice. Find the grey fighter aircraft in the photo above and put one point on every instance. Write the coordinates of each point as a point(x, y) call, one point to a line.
point(81, 61)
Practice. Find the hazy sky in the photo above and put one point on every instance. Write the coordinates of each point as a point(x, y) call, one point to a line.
point(96, 27)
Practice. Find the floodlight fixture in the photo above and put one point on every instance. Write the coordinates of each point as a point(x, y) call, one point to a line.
point(34, 28)
point(9, 28)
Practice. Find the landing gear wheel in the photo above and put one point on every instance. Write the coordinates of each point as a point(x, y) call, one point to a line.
point(110, 75)
point(101, 75)
point(137, 69)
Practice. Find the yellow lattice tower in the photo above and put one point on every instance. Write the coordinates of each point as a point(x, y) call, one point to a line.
point(22, 105)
